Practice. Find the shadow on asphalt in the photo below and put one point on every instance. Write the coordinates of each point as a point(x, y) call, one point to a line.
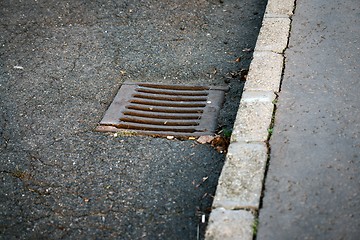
point(61, 63)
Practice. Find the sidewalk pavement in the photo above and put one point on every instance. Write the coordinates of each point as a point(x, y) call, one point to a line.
point(313, 182)
point(292, 171)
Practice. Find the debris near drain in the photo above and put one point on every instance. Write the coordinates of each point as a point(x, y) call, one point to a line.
point(247, 50)
point(241, 74)
point(205, 139)
point(220, 143)
point(124, 133)
point(201, 182)
point(18, 67)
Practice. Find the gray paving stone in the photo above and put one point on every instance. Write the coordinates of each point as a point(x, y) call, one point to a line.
point(265, 72)
point(273, 35)
point(230, 225)
point(240, 182)
point(253, 117)
point(280, 7)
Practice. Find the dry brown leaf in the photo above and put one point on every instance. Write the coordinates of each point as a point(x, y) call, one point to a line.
point(220, 143)
point(205, 139)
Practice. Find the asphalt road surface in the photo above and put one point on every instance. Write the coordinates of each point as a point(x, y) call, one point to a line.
point(61, 63)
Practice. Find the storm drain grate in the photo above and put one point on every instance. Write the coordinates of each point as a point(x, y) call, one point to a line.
point(164, 110)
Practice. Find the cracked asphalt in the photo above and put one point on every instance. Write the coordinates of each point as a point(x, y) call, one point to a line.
point(61, 63)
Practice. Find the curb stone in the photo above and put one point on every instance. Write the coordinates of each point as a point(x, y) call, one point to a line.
point(237, 199)
point(254, 110)
point(228, 224)
point(245, 165)
point(280, 7)
point(273, 35)
point(265, 72)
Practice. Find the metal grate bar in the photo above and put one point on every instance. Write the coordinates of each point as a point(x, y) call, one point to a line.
point(162, 115)
point(171, 97)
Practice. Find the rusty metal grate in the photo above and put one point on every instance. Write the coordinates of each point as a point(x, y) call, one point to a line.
point(164, 110)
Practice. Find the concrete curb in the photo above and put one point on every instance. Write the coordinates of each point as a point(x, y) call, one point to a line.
point(238, 194)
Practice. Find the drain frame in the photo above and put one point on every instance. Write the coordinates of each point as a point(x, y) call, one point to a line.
point(163, 110)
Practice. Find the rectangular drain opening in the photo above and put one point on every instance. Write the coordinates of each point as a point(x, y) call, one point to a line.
point(164, 110)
